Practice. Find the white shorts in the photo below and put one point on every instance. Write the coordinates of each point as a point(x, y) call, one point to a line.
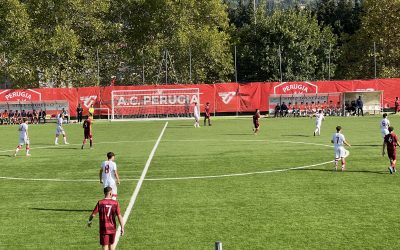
point(60, 131)
point(23, 141)
point(196, 117)
point(341, 152)
point(318, 125)
point(384, 132)
point(113, 186)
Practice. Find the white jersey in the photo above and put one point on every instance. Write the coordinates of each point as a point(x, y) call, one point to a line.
point(338, 140)
point(23, 130)
point(23, 134)
point(319, 118)
point(196, 112)
point(385, 123)
point(59, 129)
point(109, 168)
point(60, 121)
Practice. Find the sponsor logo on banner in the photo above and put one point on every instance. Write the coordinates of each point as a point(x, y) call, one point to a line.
point(20, 95)
point(158, 99)
point(296, 88)
point(88, 100)
point(227, 96)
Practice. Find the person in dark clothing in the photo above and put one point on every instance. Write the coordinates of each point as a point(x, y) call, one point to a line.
point(42, 115)
point(79, 111)
point(360, 106)
point(284, 109)
point(277, 110)
point(353, 107)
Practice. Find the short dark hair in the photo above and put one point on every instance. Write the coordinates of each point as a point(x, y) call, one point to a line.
point(110, 155)
point(384, 115)
point(391, 128)
point(338, 128)
point(107, 190)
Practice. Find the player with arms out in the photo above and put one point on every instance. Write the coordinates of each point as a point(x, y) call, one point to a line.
point(385, 124)
point(107, 209)
point(318, 122)
point(87, 132)
point(341, 153)
point(108, 174)
point(256, 121)
point(196, 114)
point(207, 114)
point(391, 142)
point(23, 137)
point(60, 129)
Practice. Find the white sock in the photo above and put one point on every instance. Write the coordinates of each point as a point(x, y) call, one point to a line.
point(56, 140)
point(65, 139)
point(27, 151)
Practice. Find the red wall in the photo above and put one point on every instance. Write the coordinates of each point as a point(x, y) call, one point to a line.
point(223, 97)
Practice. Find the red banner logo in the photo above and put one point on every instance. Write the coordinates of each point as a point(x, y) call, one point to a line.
point(17, 95)
point(227, 96)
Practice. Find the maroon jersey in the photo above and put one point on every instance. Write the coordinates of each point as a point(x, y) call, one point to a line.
point(256, 117)
point(391, 141)
point(207, 111)
point(86, 125)
point(107, 209)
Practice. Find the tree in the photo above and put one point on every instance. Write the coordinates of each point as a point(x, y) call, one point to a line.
point(380, 24)
point(305, 48)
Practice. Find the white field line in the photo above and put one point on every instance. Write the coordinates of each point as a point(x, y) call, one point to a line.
point(177, 178)
point(139, 184)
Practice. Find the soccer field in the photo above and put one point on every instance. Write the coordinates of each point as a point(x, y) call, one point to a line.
point(275, 190)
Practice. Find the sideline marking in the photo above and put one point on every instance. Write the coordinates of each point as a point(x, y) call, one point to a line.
point(139, 185)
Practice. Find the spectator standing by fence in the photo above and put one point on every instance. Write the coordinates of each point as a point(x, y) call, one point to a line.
point(360, 106)
point(79, 111)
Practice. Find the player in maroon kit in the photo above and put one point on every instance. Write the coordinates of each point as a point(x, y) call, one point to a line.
point(87, 129)
point(391, 142)
point(107, 209)
point(207, 115)
point(256, 122)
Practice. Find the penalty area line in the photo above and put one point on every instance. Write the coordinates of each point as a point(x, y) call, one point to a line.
point(139, 185)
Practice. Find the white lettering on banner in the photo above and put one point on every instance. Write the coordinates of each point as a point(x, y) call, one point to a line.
point(88, 100)
point(155, 100)
point(295, 88)
point(20, 94)
point(227, 96)
point(300, 87)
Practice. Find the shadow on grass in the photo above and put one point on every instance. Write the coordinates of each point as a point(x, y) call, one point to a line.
point(366, 145)
point(59, 209)
point(297, 135)
point(64, 148)
point(346, 171)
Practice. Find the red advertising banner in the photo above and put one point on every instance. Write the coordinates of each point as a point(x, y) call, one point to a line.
point(223, 97)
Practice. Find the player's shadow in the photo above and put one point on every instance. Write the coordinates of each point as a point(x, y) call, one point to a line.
point(63, 148)
point(59, 209)
point(366, 145)
point(346, 171)
point(297, 135)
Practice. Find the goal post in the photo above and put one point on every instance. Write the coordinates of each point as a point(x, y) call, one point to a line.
point(153, 103)
point(102, 113)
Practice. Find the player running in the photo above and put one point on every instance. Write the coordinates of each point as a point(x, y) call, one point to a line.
point(341, 153)
point(385, 124)
point(318, 122)
point(107, 209)
point(256, 121)
point(108, 174)
point(196, 114)
point(87, 132)
point(391, 142)
point(60, 129)
point(23, 137)
point(207, 115)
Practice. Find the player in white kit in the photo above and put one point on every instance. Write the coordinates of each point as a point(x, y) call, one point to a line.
point(196, 114)
point(385, 124)
point(23, 137)
point(60, 129)
point(318, 122)
point(341, 153)
point(109, 174)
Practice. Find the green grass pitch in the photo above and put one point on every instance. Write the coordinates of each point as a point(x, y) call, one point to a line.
point(310, 208)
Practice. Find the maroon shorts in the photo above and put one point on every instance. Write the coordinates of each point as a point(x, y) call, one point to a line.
point(392, 154)
point(107, 239)
point(87, 135)
point(256, 124)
